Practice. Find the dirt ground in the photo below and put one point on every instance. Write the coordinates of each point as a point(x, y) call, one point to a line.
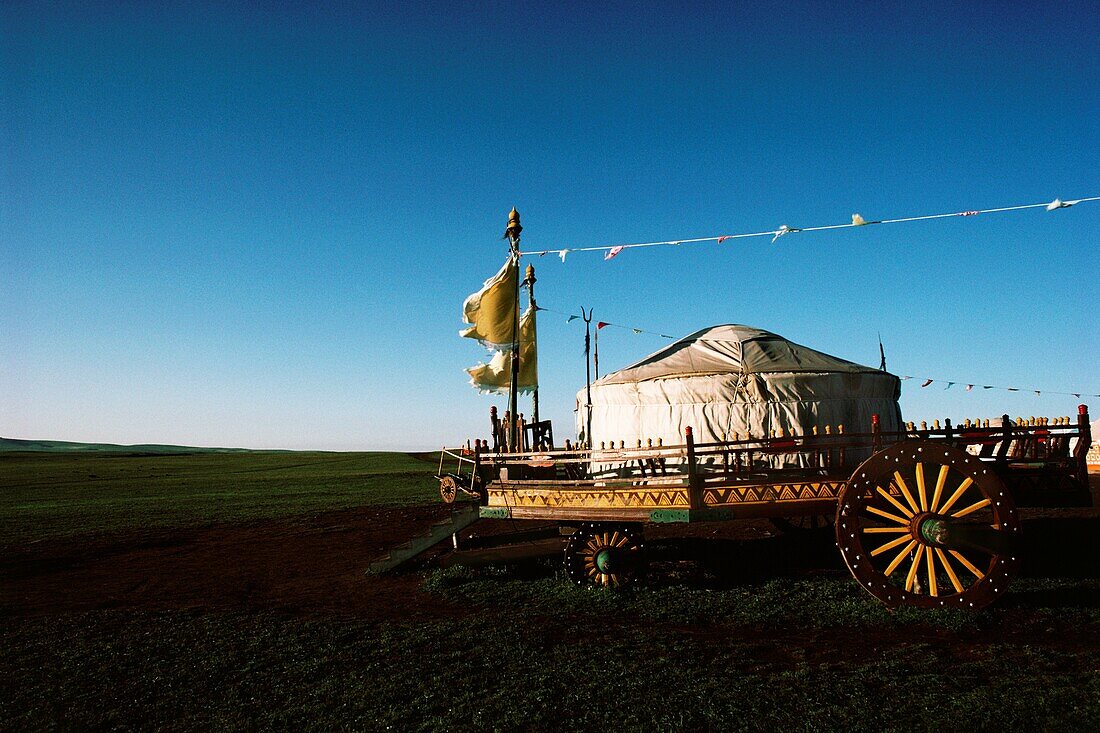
point(316, 566)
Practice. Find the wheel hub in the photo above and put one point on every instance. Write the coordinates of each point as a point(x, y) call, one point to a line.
point(930, 529)
point(604, 561)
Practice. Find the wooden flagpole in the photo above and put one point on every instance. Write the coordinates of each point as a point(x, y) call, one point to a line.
point(512, 235)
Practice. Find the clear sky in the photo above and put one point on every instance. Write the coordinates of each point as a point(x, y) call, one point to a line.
point(254, 225)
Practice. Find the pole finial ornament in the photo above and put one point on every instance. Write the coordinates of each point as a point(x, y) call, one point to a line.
point(514, 227)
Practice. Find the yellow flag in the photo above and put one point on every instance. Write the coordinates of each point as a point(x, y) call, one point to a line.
point(497, 374)
point(492, 310)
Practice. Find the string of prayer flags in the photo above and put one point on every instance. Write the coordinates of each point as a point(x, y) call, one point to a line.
point(970, 388)
point(857, 220)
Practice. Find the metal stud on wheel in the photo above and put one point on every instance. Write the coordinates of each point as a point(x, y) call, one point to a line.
point(926, 524)
point(610, 556)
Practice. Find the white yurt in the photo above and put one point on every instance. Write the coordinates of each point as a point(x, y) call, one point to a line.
point(736, 379)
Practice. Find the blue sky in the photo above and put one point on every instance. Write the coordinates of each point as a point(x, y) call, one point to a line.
point(253, 225)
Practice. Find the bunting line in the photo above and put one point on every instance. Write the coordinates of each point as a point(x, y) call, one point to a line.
point(611, 250)
point(926, 381)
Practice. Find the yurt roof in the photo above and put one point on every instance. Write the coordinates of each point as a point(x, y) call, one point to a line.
point(731, 349)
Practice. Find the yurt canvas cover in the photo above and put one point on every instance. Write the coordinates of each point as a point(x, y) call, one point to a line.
point(736, 379)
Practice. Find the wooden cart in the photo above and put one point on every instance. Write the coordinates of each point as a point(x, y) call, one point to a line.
point(924, 517)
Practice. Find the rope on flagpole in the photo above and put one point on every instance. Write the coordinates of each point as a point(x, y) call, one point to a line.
point(857, 221)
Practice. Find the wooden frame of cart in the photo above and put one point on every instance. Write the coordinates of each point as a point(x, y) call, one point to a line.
point(924, 517)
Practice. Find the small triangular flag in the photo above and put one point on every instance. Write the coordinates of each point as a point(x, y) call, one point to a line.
point(612, 252)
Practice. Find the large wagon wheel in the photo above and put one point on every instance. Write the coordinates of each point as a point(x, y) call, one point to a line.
point(606, 555)
point(925, 524)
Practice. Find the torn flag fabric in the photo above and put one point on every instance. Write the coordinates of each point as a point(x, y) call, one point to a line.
point(492, 310)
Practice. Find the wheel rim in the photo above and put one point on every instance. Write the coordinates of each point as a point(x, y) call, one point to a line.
point(601, 555)
point(928, 525)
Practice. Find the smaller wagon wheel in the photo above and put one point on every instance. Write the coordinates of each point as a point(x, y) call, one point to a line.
point(610, 556)
point(926, 524)
point(448, 489)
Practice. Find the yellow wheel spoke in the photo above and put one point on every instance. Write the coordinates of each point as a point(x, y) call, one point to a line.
point(874, 530)
point(932, 589)
point(905, 491)
point(889, 545)
point(901, 556)
point(895, 502)
point(940, 481)
point(913, 569)
point(921, 491)
point(887, 515)
point(955, 497)
point(614, 538)
point(950, 571)
point(972, 508)
point(977, 573)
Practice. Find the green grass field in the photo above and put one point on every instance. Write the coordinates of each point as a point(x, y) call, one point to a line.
point(498, 648)
point(48, 495)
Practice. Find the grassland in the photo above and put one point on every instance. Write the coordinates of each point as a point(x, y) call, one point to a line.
point(501, 648)
point(50, 495)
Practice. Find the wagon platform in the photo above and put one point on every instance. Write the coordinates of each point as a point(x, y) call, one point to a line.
point(925, 516)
